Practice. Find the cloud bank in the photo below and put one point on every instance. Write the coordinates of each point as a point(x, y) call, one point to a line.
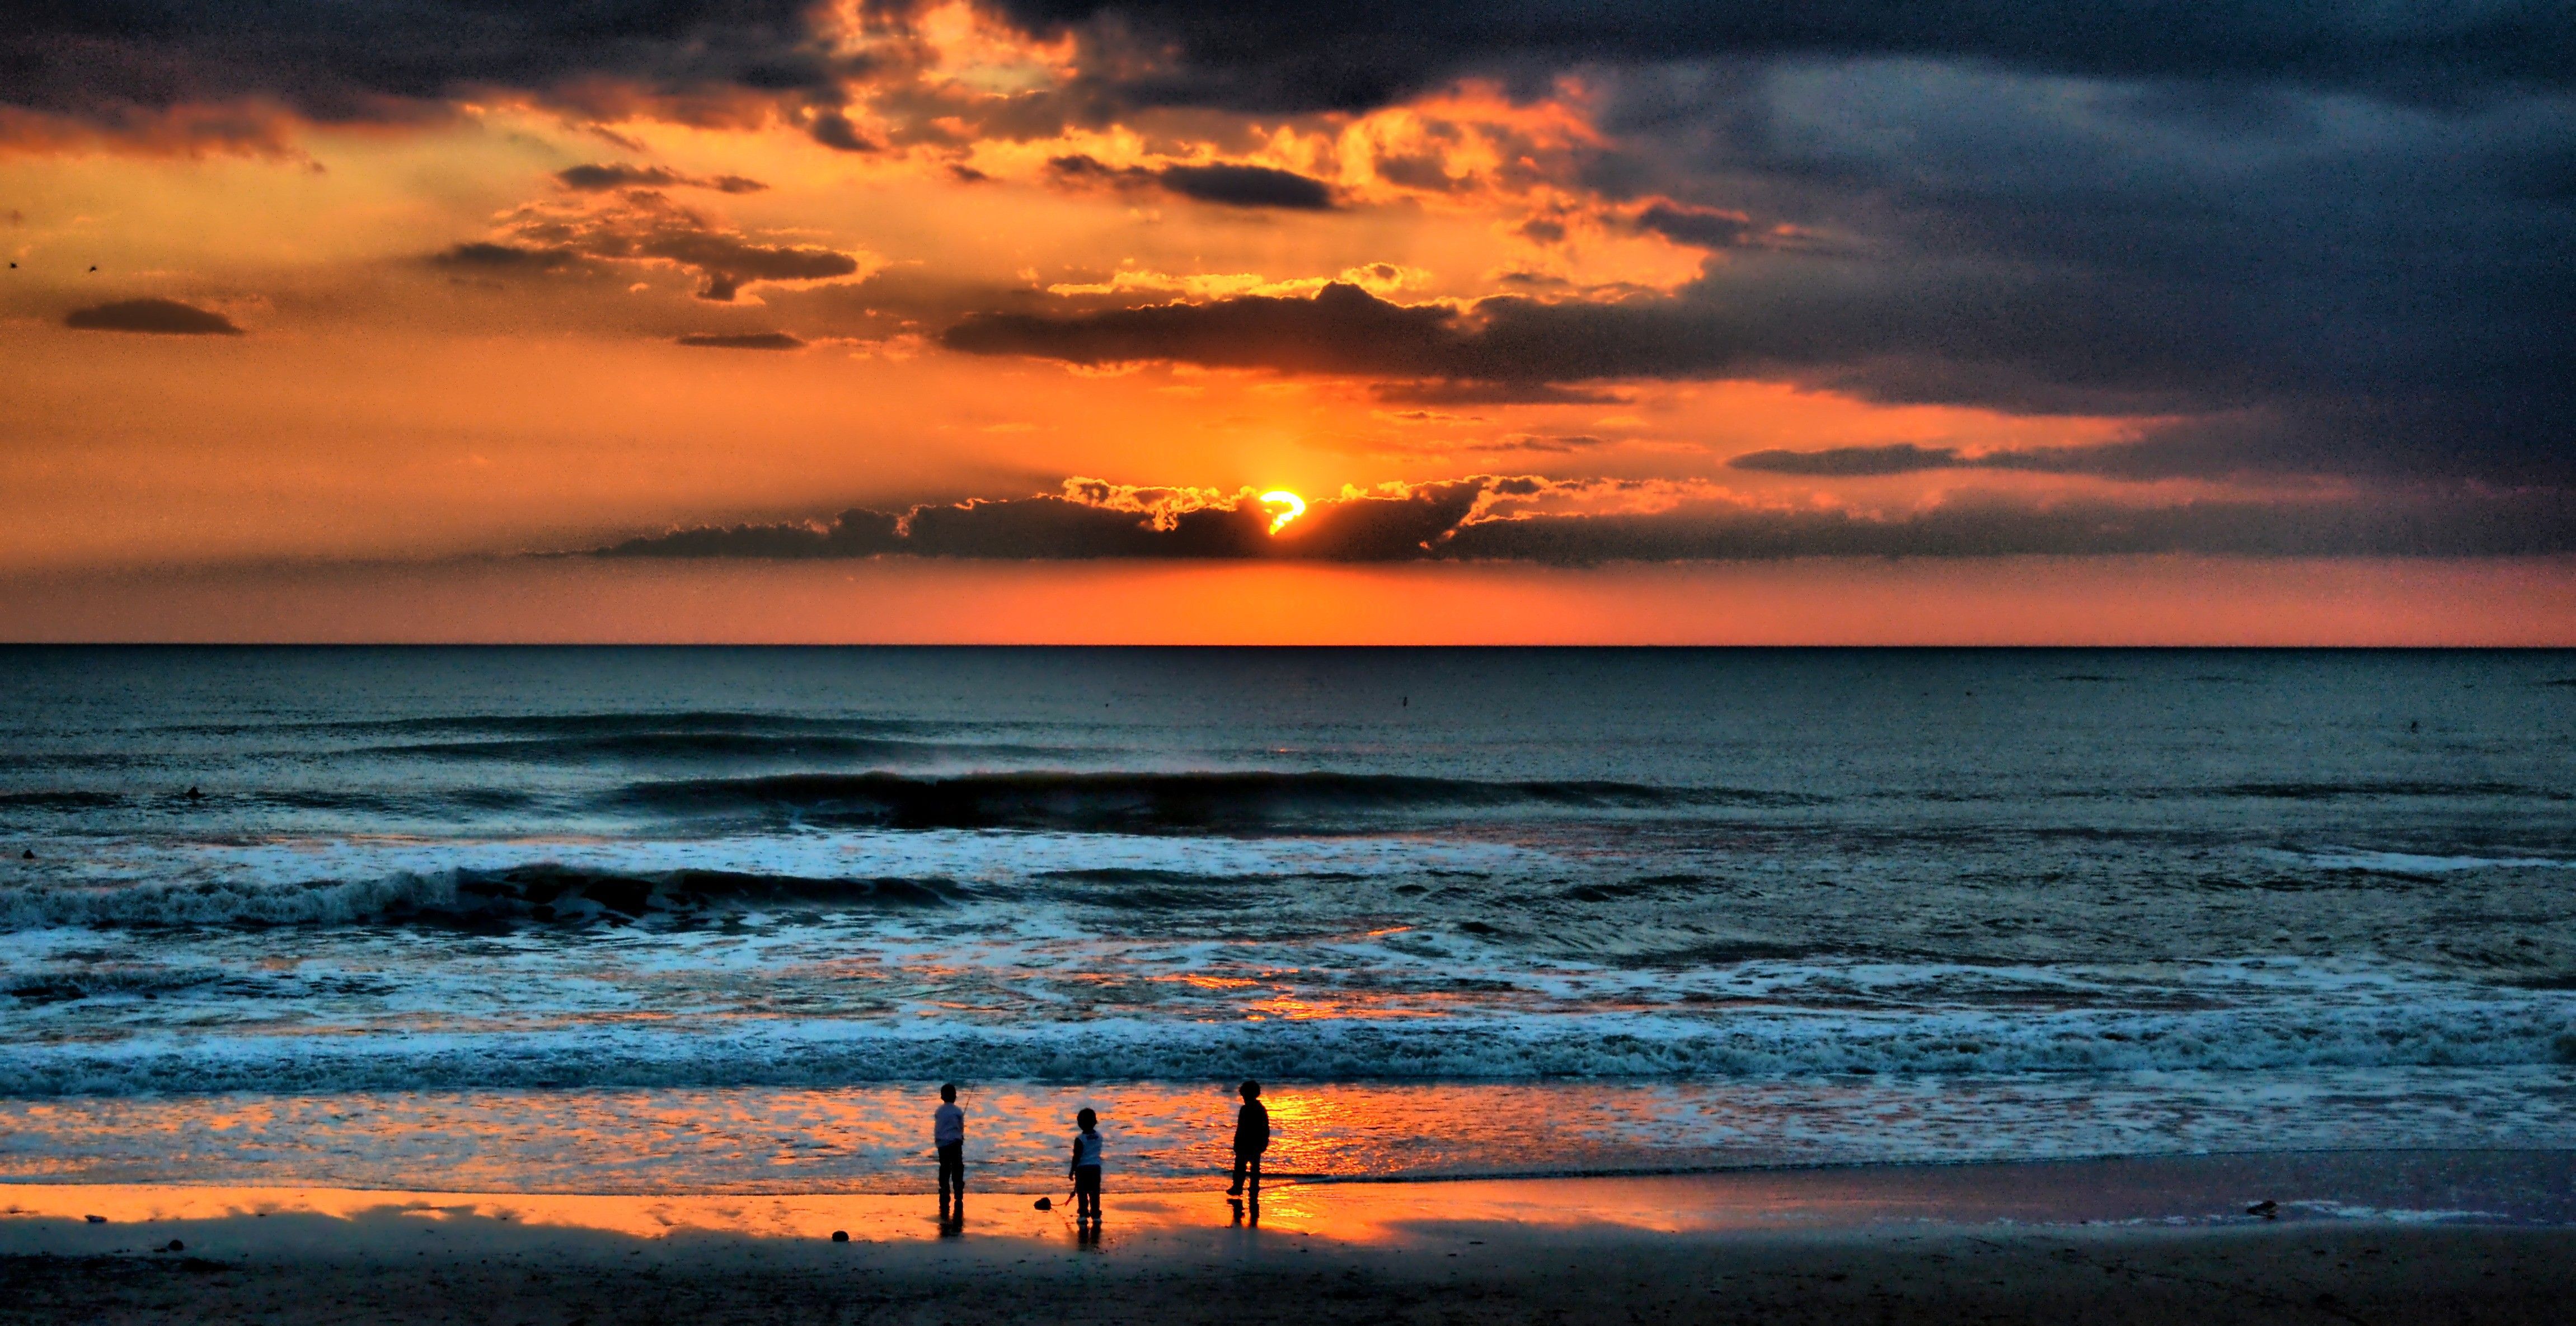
point(1530, 518)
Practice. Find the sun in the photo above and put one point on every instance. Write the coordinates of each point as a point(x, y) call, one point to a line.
point(1293, 507)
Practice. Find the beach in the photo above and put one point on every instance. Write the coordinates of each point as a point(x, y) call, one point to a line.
point(601, 986)
point(1894, 1244)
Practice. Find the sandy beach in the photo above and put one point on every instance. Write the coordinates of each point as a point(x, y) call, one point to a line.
point(1886, 1245)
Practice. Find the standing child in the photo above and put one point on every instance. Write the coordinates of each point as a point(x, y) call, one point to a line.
point(1086, 1168)
point(1251, 1138)
point(948, 1133)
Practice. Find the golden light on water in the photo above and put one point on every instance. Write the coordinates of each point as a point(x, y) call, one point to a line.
point(1294, 505)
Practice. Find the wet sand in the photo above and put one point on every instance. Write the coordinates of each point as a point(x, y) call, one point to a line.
point(1860, 1247)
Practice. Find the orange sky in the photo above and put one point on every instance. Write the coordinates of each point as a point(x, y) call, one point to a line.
point(2002, 601)
point(451, 353)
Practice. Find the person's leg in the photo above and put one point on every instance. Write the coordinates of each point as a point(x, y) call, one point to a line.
point(952, 1173)
point(1255, 1160)
point(1236, 1187)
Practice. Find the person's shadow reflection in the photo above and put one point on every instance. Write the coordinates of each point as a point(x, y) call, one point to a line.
point(1247, 1210)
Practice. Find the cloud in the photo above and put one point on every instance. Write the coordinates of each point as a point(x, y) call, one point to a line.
point(643, 226)
point(1342, 329)
point(742, 341)
point(1227, 184)
point(1452, 392)
point(1529, 518)
point(601, 178)
point(137, 68)
point(1347, 56)
point(834, 130)
point(166, 317)
point(854, 533)
point(1707, 227)
point(506, 257)
point(1849, 462)
point(1247, 186)
point(2433, 524)
point(1093, 519)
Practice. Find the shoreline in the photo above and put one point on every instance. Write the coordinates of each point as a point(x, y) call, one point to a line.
point(1915, 1246)
point(2495, 1188)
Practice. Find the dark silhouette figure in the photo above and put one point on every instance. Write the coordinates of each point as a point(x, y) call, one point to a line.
point(948, 1135)
point(1085, 1168)
point(1251, 1138)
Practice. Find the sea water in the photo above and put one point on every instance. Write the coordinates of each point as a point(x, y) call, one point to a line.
point(716, 919)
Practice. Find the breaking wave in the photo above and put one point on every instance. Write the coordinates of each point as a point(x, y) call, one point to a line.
point(2533, 1031)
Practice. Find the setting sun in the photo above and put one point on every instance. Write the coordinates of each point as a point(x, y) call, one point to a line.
point(1296, 506)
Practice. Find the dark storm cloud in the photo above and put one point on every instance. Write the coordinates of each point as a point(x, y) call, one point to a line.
point(1347, 55)
point(2363, 298)
point(115, 63)
point(1224, 183)
point(166, 317)
point(1487, 517)
point(605, 177)
point(742, 341)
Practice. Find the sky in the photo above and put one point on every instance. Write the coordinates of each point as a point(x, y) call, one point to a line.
point(1949, 322)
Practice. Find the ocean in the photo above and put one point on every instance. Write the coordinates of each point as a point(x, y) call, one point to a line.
point(718, 920)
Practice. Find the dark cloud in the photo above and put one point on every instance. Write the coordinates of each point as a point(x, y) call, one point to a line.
point(506, 257)
point(166, 317)
point(1707, 227)
point(1847, 462)
point(1343, 329)
point(2453, 523)
point(1347, 55)
point(833, 130)
point(644, 226)
point(2361, 313)
point(1094, 520)
point(1225, 184)
point(122, 65)
point(1248, 186)
point(1453, 392)
point(742, 341)
point(854, 533)
point(119, 65)
point(1508, 518)
point(604, 177)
